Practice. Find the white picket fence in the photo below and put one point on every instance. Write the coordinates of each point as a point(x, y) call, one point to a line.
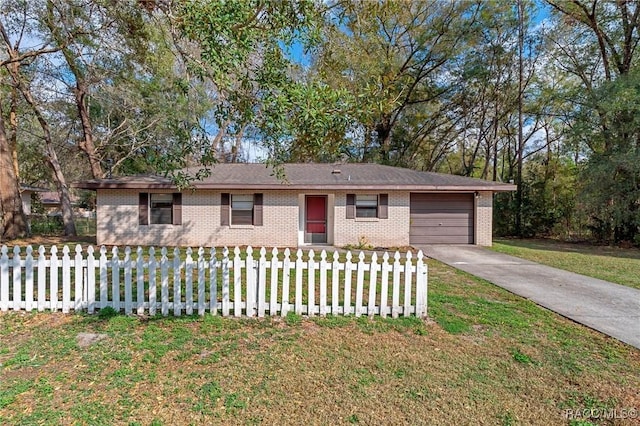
point(221, 283)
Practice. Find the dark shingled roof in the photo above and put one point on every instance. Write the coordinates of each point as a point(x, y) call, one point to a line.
point(307, 176)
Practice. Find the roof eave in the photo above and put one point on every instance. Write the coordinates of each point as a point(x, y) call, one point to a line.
point(290, 187)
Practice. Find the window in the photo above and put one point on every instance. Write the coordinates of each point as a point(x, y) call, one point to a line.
point(240, 209)
point(367, 206)
point(160, 208)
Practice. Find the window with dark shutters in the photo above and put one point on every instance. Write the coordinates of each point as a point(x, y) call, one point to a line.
point(367, 206)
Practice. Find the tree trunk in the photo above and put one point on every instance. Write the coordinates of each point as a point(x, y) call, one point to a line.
point(13, 220)
point(86, 144)
point(13, 131)
point(51, 157)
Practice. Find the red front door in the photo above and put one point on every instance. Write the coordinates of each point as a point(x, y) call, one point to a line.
point(316, 219)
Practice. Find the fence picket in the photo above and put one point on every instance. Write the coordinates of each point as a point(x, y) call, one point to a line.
point(139, 281)
point(260, 275)
point(373, 284)
point(250, 305)
point(188, 279)
point(359, 284)
point(395, 298)
point(273, 292)
point(104, 286)
point(4, 279)
point(78, 292)
point(66, 280)
point(28, 279)
point(298, 299)
point(262, 282)
point(128, 296)
point(225, 282)
point(177, 283)
point(421, 286)
point(153, 292)
point(164, 282)
point(115, 278)
point(408, 267)
point(91, 280)
point(335, 284)
point(17, 279)
point(384, 285)
point(202, 303)
point(311, 267)
point(42, 279)
point(237, 283)
point(213, 282)
point(323, 283)
point(286, 276)
point(348, 269)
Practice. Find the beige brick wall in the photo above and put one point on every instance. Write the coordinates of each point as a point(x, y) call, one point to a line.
point(484, 218)
point(391, 232)
point(117, 221)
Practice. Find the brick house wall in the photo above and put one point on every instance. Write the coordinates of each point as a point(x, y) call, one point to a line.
point(484, 218)
point(283, 221)
point(117, 221)
point(391, 232)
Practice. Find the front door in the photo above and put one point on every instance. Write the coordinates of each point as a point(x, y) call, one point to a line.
point(315, 229)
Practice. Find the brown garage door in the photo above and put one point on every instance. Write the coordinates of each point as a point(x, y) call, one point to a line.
point(441, 219)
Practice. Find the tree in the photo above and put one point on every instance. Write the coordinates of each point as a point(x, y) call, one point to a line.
point(13, 65)
point(597, 45)
point(396, 56)
point(12, 218)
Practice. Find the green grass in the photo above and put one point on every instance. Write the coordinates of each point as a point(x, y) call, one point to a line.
point(612, 264)
point(484, 354)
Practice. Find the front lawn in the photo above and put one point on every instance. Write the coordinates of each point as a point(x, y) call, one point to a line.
point(617, 265)
point(485, 357)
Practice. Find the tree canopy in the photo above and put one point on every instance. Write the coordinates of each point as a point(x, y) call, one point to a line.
point(545, 95)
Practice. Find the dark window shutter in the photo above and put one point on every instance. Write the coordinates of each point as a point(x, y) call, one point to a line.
point(224, 209)
point(351, 206)
point(177, 208)
point(143, 208)
point(257, 209)
point(383, 206)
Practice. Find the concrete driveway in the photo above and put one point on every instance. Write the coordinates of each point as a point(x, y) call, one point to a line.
point(609, 308)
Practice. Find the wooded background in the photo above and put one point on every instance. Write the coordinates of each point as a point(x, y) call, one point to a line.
point(542, 94)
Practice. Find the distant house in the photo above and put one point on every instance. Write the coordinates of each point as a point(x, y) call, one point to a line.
point(246, 204)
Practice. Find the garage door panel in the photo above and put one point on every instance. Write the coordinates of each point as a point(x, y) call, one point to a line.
point(442, 218)
point(437, 206)
point(444, 239)
point(448, 222)
point(449, 230)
